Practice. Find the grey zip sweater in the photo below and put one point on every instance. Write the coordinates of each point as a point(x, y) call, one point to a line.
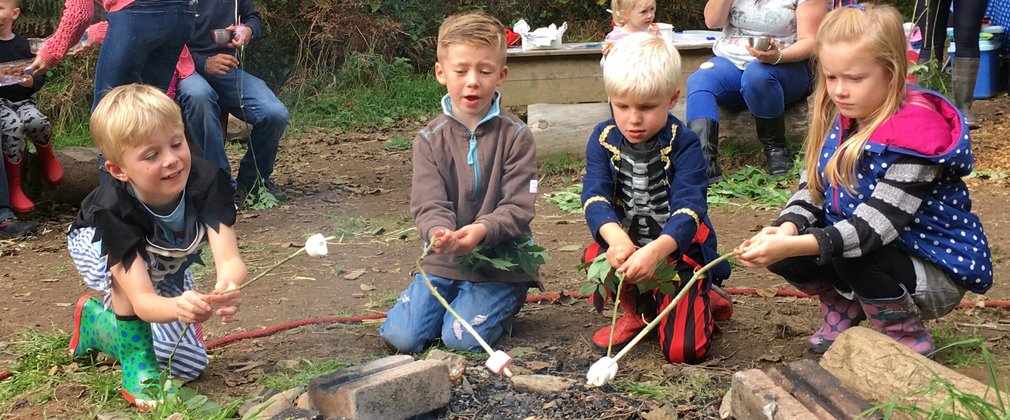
point(486, 176)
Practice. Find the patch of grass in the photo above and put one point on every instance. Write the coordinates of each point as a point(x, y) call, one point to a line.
point(359, 106)
point(397, 143)
point(682, 389)
point(346, 227)
point(73, 134)
point(983, 174)
point(43, 365)
point(568, 199)
point(283, 379)
point(957, 355)
point(755, 188)
point(563, 166)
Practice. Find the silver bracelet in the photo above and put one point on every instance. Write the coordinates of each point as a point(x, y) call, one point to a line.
point(778, 60)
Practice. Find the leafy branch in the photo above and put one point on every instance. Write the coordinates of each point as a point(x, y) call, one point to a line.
point(505, 256)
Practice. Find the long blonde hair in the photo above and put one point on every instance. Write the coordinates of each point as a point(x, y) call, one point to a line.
point(878, 30)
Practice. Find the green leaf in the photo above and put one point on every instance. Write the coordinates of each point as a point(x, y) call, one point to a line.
point(505, 256)
point(588, 289)
point(667, 288)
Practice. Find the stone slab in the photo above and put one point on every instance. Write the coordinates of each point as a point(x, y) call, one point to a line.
point(399, 392)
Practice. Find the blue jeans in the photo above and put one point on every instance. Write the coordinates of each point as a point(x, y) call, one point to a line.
point(202, 97)
point(418, 318)
point(763, 89)
point(6, 211)
point(143, 44)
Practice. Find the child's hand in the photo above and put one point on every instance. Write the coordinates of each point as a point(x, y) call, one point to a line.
point(227, 303)
point(192, 308)
point(618, 253)
point(444, 242)
point(468, 237)
point(641, 265)
point(767, 247)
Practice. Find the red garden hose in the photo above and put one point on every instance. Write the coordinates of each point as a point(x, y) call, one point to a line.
point(548, 297)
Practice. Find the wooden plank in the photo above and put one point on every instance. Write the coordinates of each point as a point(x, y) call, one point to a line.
point(881, 369)
point(839, 399)
point(818, 390)
point(755, 396)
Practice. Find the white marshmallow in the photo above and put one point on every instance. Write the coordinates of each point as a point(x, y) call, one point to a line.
point(498, 362)
point(602, 371)
point(315, 246)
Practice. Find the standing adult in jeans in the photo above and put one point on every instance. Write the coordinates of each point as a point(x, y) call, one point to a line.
point(763, 81)
point(219, 83)
point(143, 42)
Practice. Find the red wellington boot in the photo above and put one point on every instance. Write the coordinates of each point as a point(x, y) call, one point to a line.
point(627, 326)
point(19, 201)
point(52, 170)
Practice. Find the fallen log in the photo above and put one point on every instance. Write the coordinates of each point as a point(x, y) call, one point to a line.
point(882, 370)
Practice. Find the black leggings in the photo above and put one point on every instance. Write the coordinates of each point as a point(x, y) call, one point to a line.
point(967, 23)
point(876, 275)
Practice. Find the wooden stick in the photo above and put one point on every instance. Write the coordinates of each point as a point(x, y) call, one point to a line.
point(613, 319)
point(278, 264)
point(673, 303)
point(487, 348)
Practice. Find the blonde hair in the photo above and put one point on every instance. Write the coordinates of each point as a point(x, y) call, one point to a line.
point(474, 28)
point(642, 65)
point(129, 113)
point(877, 31)
point(619, 8)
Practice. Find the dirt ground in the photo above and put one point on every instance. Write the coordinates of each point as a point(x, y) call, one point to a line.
point(349, 185)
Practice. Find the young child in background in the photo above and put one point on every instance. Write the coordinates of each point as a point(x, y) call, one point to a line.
point(474, 182)
point(629, 16)
point(137, 234)
point(644, 197)
point(20, 118)
point(881, 227)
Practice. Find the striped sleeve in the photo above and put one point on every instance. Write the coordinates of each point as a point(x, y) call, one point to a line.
point(801, 209)
point(877, 221)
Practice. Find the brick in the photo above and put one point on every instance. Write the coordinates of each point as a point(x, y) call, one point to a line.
point(399, 392)
point(328, 383)
point(755, 396)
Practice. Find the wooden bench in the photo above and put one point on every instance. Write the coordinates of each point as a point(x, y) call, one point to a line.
point(573, 75)
point(563, 129)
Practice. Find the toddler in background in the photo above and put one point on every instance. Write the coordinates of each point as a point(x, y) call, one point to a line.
point(630, 16)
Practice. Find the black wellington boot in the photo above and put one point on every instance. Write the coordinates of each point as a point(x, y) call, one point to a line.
point(708, 131)
point(772, 133)
point(962, 90)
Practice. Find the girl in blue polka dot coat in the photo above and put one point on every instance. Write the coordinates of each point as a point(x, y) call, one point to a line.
point(881, 227)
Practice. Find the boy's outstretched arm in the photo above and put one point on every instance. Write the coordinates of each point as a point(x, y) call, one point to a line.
point(231, 271)
point(133, 293)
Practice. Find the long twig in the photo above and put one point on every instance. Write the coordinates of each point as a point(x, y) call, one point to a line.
point(185, 331)
point(669, 308)
point(448, 308)
point(613, 318)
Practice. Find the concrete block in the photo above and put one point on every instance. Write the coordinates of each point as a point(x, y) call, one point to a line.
point(398, 392)
point(755, 396)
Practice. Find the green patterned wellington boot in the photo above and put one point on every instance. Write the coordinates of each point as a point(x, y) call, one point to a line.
point(127, 339)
